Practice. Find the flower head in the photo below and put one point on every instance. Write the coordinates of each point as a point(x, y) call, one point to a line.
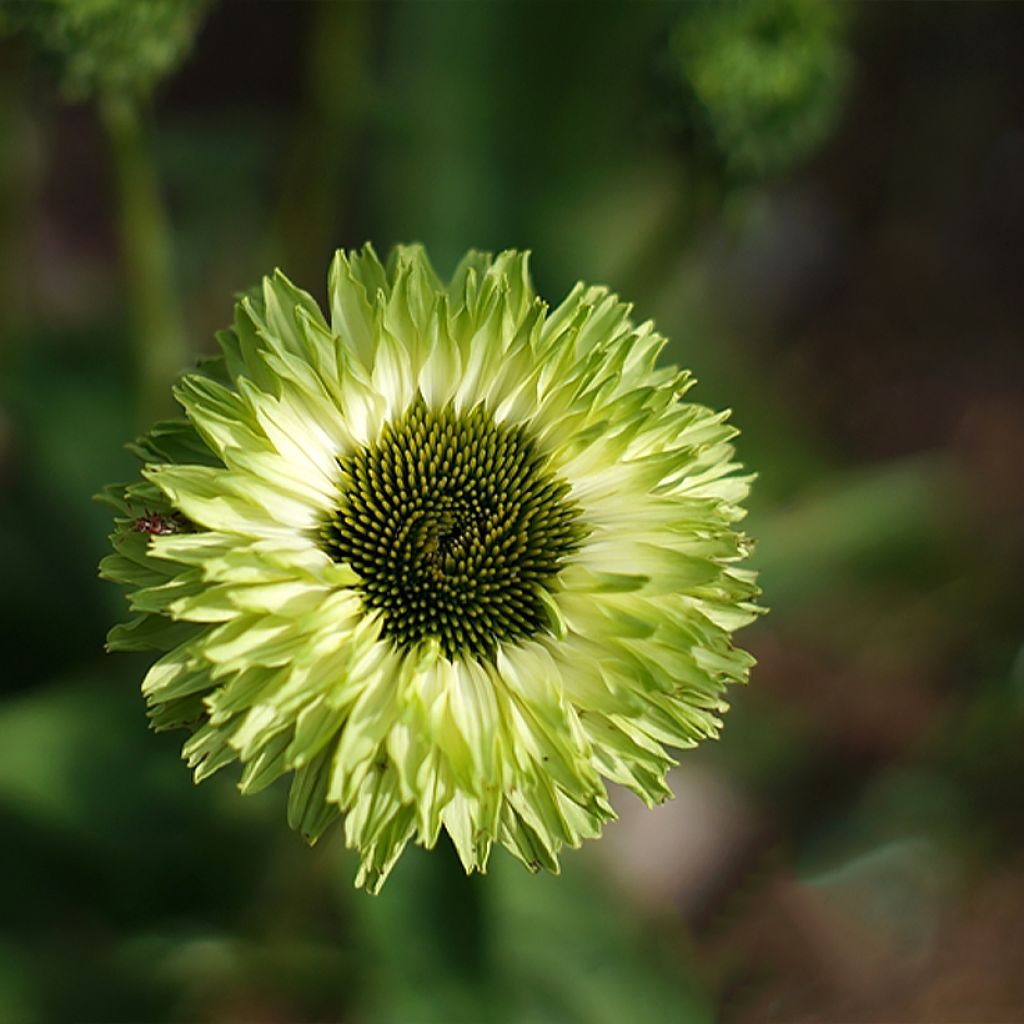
point(109, 46)
point(450, 559)
point(767, 79)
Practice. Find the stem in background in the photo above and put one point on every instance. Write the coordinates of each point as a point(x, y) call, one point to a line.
point(697, 199)
point(427, 942)
point(317, 177)
point(19, 174)
point(161, 351)
point(460, 906)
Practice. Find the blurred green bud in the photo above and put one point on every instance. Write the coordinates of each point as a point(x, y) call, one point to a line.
point(108, 47)
point(766, 77)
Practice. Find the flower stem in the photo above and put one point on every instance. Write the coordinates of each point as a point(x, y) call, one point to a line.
point(461, 907)
point(160, 349)
point(316, 197)
point(426, 939)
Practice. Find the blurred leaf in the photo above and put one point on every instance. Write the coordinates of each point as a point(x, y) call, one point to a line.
point(516, 948)
point(861, 525)
point(571, 952)
point(16, 996)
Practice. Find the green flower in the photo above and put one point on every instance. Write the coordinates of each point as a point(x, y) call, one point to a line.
point(115, 47)
point(450, 558)
point(767, 77)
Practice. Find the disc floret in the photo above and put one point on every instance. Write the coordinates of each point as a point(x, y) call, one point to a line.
point(455, 528)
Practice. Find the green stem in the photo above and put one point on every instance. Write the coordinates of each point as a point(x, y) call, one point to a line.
point(427, 942)
point(307, 222)
point(459, 904)
point(161, 351)
point(696, 201)
point(18, 176)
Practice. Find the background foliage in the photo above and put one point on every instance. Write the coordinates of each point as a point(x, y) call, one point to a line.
point(823, 207)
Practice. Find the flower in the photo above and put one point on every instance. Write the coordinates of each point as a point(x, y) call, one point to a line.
point(767, 79)
point(451, 559)
point(113, 47)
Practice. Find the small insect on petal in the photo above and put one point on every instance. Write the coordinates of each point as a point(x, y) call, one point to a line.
point(157, 525)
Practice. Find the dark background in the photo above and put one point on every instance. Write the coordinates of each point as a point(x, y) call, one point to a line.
point(827, 223)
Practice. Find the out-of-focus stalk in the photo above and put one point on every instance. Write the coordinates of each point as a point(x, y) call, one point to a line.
point(694, 205)
point(317, 186)
point(160, 349)
point(18, 186)
point(428, 936)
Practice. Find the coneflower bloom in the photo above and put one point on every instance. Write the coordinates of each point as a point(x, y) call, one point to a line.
point(447, 557)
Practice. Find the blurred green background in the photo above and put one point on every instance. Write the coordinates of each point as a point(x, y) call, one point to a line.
point(822, 206)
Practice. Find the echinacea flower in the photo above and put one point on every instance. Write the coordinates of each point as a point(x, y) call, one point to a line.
point(451, 559)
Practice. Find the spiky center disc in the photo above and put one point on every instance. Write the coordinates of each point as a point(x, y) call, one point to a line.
point(454, 527)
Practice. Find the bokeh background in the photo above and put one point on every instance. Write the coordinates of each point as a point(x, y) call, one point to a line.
point(822, 205)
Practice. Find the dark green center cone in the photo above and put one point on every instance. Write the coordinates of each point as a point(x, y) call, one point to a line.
point(454, 527)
